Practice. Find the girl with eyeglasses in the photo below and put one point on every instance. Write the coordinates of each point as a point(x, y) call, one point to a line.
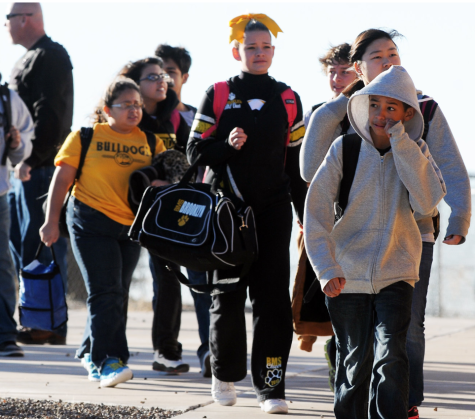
point(98, 219)
point(161, 117)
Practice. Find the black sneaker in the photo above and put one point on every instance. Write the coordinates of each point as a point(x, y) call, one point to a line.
point(413, 413)
point(10, 349)
point(170, 366)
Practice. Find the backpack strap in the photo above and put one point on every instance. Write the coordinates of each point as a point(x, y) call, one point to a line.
point(152, 141)
point(315, 107)
point(351, 153)
point(290, 103)
point(7, 119)
point(86, 138)
point(175, 120)
point(345, 125)
point(221, 94)
point(428, 107)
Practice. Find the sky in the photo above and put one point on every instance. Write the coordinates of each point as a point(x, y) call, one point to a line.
point(436, 50)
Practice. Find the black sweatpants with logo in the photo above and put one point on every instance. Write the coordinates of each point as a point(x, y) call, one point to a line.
point(272, 316)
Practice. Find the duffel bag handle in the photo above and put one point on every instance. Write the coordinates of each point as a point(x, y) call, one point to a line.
point(215, 186)
point(189, 173)
point(40, 248)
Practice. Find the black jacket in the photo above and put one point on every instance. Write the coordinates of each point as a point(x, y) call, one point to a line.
point(264, 170)
point(162, 127)
point(43, 78)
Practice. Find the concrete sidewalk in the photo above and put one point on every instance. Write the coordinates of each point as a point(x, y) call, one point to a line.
point(51, 372)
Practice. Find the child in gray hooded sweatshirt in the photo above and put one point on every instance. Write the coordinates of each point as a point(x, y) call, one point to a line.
point(364, 261)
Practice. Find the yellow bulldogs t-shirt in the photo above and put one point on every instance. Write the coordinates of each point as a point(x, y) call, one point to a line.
point(110, 160)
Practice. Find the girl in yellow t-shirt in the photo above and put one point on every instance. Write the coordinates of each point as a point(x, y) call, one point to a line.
point(98, 219)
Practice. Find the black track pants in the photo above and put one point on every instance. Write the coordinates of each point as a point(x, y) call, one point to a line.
point(272, 316)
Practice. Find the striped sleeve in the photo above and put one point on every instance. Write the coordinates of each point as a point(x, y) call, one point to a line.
point(204, 117)
point(212, 151)
point(297, 132)
point(201, 124)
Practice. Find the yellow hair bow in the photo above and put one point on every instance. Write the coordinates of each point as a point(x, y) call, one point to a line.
point(238, 25)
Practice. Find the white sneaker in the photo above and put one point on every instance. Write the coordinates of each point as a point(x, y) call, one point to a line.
point(274, 406)
point(223, 393)
point(160, 363)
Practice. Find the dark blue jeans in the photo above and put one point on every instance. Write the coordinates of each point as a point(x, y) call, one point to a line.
point(26, 201)
point(371, 363)
point(8, 330)
point(167, 308)
point(107, 259)
point(415, 335)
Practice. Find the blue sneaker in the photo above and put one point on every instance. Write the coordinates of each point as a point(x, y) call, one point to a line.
point(93, 373)
point(114, 372)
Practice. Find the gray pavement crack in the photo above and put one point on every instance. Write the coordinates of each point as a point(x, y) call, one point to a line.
point(452, 332)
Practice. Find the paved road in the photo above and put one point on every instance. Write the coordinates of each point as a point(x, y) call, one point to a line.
point(51, 372)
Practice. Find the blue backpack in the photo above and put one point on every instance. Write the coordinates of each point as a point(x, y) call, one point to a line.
point(42, 298)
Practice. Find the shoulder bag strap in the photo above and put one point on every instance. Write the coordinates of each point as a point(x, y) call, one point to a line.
point(288, 97)
point(221, 94)
point(175, 119)
point(86, 138)
point(428, 107)
point(152, 141)
point(351, 152)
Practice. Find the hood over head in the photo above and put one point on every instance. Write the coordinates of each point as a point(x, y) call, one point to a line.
point(394, 83)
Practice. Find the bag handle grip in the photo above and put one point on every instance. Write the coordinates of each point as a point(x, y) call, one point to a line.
point(40, 248)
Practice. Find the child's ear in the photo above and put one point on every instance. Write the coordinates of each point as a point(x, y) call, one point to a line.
point(106, 110)
point(236, 54)
point(409, 114)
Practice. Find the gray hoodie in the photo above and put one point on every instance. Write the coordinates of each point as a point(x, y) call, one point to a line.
point(324, 128)
point(377, 242)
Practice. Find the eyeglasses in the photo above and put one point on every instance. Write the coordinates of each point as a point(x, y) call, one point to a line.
point(9, 16)
point(127, 106)
point(158, 77)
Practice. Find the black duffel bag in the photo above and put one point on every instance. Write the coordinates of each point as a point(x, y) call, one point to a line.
point(200, 227)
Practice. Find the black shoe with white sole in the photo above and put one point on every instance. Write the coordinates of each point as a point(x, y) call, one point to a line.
point(170, 366)
point(10, 349)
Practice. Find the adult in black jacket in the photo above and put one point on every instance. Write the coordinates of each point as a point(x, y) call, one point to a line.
point(43, 79)
point(250, 141)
